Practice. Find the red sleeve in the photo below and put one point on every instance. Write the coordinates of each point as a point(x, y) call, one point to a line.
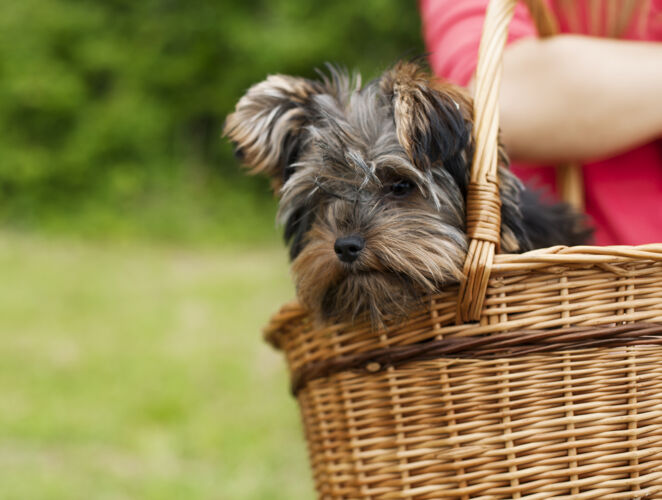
point(452, 30)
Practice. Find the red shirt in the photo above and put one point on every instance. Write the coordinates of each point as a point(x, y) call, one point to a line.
point(623, 194)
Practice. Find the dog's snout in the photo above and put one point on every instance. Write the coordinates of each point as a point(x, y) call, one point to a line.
point(349, 248)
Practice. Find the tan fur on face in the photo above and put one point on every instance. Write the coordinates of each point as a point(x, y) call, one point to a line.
point(409, 254)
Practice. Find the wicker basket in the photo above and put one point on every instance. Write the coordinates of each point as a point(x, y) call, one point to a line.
point(540, 377)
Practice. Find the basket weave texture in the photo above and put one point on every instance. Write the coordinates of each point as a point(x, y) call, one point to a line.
point(540, 377)
point(555, 393)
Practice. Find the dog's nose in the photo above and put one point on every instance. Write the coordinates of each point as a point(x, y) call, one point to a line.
point(349, 248)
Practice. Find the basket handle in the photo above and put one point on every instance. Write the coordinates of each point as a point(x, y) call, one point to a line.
point(483, 202)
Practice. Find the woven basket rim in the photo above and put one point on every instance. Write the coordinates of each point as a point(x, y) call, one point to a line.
point(603, 256)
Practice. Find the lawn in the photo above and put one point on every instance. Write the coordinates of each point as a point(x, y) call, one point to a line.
point(138, 371)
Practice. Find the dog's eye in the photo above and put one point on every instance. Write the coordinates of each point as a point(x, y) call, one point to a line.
point(401, 187)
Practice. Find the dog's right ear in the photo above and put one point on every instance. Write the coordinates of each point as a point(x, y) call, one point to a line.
point(268, 124)
point(432, 118)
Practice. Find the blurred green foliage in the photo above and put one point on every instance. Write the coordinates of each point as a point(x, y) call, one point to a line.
point(111, 110)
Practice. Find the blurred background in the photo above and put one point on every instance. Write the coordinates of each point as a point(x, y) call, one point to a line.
point(138, 262)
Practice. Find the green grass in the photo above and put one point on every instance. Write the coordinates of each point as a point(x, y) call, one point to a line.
point(138, 371)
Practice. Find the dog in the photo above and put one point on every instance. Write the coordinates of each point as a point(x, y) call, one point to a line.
point(373, 183)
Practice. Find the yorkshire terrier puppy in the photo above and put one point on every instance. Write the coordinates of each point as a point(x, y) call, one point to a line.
point(372, 183)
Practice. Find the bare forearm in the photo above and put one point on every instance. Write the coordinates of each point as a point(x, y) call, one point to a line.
point(579, 98)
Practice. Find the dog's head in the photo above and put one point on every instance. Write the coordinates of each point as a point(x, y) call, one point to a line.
point(372, 183)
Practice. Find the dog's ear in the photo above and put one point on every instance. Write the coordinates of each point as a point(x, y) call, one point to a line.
point(268, 124)
point(432, 118)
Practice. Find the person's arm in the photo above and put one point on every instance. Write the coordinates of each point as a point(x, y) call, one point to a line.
point(579, 98)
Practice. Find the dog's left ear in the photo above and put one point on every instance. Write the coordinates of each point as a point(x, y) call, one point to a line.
point(268, 125)
point(432, 118)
